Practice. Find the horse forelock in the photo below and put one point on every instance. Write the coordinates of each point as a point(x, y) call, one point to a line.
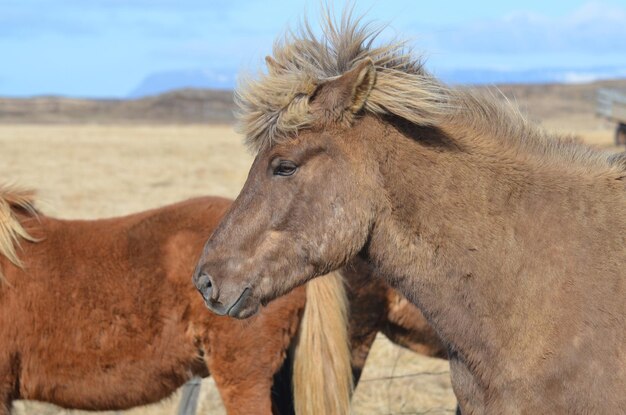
point(12, 200)
point(274, 106)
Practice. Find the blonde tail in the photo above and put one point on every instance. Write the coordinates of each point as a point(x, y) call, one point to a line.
point(322, 374)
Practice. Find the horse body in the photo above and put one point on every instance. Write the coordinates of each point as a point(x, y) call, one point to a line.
point(508, 286)
point(511, 241)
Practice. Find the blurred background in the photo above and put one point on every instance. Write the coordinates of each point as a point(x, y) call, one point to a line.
point(108, 107)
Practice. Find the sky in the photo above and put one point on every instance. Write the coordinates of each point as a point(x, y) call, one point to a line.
point(107, 48)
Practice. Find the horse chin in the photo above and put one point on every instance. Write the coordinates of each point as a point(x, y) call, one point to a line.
point(244, 306)
point(245, 312)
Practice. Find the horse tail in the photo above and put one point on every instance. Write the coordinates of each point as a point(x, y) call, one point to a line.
point(322, 373)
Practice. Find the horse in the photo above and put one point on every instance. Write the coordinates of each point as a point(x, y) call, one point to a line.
point(510, 240)
point(102, 315)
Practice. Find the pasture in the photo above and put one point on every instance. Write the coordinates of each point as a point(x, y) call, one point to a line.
point(94, 171)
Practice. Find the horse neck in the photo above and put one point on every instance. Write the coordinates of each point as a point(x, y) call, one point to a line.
point(457, 235)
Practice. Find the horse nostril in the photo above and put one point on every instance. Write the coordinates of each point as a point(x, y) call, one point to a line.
point(205, 285)
point(209, 283)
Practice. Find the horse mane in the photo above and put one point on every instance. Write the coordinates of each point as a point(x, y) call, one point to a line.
point(12, 200)
point(275, 106)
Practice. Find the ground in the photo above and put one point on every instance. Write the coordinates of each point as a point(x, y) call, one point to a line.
point(93, 171)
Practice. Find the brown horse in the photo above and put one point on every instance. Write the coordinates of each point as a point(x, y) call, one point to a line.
point(102, 315)
point(511, 242)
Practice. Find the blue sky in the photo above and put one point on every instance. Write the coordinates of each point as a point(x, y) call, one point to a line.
point(105, 48)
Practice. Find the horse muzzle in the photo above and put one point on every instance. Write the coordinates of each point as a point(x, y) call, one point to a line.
point(236, 306)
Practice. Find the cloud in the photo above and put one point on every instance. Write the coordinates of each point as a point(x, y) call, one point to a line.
point(593, 28)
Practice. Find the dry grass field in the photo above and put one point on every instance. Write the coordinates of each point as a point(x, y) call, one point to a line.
point(93, 171)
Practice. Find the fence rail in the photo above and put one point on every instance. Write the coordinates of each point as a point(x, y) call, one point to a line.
point(611, 104)
point(409, 375)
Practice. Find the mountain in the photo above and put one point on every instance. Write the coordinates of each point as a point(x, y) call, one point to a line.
point(573, 102)
point(160, 82)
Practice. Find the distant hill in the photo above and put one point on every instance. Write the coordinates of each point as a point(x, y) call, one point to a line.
point(560, 104)
point(182, 106)
point(541, 102)
point(162, 82)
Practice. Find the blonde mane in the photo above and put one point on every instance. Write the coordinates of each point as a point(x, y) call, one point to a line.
point(275, 106)
point(11, 231)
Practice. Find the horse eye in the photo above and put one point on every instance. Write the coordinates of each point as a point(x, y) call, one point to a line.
point(285, 168)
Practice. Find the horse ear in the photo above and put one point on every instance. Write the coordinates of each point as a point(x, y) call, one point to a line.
point(362, 78)
point(350, 91)
point(273, 67)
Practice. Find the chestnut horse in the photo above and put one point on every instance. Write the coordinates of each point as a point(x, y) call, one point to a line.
point(103, 315)
point(512, 242)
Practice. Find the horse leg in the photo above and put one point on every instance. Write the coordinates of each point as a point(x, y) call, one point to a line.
point(244, 357)
point(5, 404)
point(243, 370)
point(245, 395)
point(470, 398)
point(5, 400)
point(8, 384)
